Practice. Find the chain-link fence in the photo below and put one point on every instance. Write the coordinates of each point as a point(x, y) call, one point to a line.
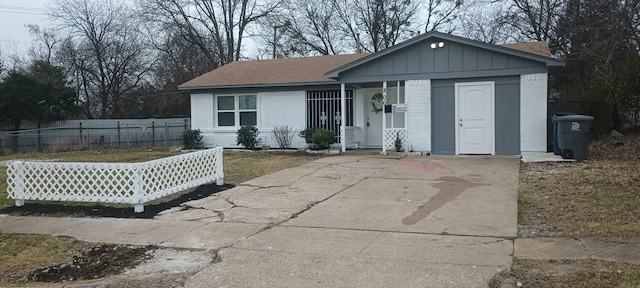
point(99, 133)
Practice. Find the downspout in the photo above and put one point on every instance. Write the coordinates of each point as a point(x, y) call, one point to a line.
point(343, 123)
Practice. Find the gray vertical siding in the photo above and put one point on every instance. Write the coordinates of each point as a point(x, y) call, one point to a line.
point(443, 129)
point(507, 115)
point(508, 118)
point(453, 61)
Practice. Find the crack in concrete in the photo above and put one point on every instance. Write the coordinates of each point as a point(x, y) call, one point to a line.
point(508, 238)
point(315, 170)
point(263, 187)
point(361, 160)
point(233, 205)
point(369, 244)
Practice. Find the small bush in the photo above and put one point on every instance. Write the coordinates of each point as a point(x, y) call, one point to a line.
point(248, 137)
point(283, 135)
point(307, 134)
point(398, 142)
point(323, 138)
point(192, 139)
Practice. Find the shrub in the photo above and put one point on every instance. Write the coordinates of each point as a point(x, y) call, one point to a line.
point(248, 137)
point(398, 142)
point(323, 138)
point(192, 139)
point(307, 134)
point(283, 135)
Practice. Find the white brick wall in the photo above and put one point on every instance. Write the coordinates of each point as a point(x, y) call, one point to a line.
point(282, 109)
point(533, 112)
point(418, 93)
point(274, 109)
point(202, 116)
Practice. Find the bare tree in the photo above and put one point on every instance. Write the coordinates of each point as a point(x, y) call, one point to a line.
point(302, 28)
point(2, 64)
point(385, 21)
point(311, 28)
point(534, 19)
point(478, 21)
point(46, 39)
point(178, 62)
point(216, 27)
point(105, 51)
point(373, 25)
point(441, 14)
point(347, 26)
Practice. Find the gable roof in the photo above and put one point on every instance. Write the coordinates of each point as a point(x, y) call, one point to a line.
point(531, 51)
point(283, 72)
point(320, 70)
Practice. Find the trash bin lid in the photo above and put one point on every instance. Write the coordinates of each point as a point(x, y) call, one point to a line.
point(575, 118)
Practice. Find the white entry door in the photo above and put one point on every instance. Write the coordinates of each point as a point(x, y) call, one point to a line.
point(475, 127)
point(374, 111)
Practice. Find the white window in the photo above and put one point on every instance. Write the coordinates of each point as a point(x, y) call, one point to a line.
point(237, 110)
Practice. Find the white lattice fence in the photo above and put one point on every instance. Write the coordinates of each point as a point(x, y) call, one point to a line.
point(126, 183)
point(390, 135)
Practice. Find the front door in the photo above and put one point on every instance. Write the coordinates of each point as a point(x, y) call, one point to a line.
point(475, 118)
point(374, 111)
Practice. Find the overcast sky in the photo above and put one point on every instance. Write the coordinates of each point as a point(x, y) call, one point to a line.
point(14, 15)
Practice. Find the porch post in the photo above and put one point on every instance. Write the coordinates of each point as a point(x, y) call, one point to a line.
point(384, 116)
point(343, 116)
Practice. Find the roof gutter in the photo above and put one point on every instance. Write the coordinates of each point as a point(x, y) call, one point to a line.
point(187, 88)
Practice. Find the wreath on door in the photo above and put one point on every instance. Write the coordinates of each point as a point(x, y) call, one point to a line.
point(376, 102)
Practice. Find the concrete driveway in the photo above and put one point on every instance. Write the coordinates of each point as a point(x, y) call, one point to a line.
point(373, 221)
point(358, 221)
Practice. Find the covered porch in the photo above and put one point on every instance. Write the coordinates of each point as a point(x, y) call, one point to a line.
point(379, 112)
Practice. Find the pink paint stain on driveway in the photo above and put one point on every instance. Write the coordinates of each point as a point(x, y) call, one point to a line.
point(425, 166)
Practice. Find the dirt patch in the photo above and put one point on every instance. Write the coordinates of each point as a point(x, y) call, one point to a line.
point(65, 260)
point(54, 209)
point(98, 262)
point(568, 273)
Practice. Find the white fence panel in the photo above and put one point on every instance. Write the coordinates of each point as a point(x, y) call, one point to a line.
point(126, 183)
point(390, 135)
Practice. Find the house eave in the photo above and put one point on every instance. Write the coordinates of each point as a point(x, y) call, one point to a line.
point(270, 85)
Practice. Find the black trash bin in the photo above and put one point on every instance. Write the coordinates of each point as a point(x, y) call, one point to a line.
point(554, 119)
point(573, 136)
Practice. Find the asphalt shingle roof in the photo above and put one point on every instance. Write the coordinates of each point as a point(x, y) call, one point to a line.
point(538, 47)
point(273, 72)
point(303, 70)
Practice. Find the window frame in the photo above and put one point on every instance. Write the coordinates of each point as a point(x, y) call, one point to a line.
point(236, 110)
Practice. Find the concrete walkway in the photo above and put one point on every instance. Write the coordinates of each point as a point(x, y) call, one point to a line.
point(358, 221)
